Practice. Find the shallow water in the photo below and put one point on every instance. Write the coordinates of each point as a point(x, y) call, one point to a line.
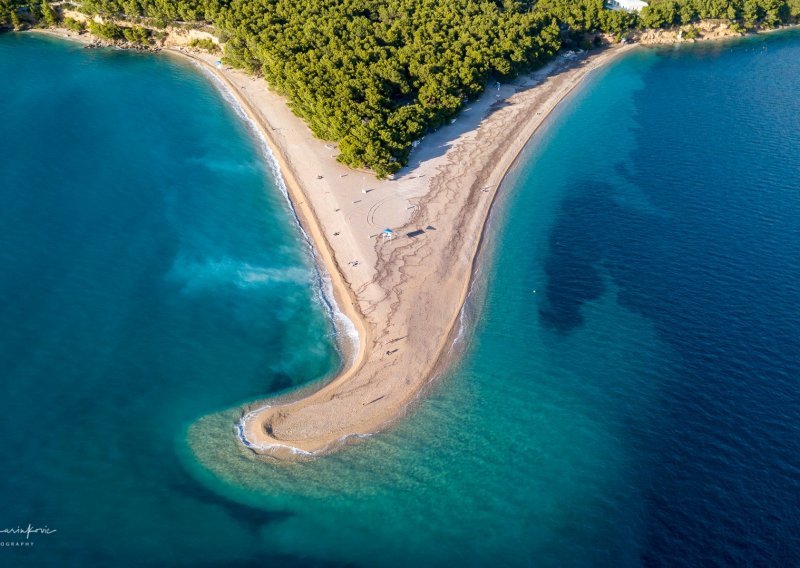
point(627, 396)
point(629, 393)
point(151, 274)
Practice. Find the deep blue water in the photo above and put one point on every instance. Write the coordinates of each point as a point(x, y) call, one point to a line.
point(628, 393)
point(710, 258)
point(687, 209)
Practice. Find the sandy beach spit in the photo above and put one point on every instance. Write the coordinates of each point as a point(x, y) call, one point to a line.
point(403, 292)
point(400, 294)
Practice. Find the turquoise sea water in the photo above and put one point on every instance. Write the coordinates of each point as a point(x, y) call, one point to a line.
point(628, 389)
point(151, 274)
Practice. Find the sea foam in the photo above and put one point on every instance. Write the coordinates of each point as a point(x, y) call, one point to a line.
point(344, 328)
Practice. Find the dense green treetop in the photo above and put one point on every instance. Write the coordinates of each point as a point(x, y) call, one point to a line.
point(376, 75)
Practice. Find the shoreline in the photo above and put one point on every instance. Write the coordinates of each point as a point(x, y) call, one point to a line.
point(404, 296)
point(256, 429)
point(305, 216)
point(256, 426)
point(263, 429)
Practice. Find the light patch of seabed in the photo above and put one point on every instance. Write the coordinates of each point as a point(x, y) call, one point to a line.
point(517, 454)
point(491, 467)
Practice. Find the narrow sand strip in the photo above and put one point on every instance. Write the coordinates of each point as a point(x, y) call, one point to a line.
point(403, 294)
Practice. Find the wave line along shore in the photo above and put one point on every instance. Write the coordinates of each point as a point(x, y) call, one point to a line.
point(404, 294)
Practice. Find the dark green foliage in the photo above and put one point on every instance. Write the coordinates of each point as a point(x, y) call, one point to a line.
point(618, 22)
point(738, 28)
point(376, 75)
point(49, 17)
point(74, 25)
point(205, 44)
point(577, 17)
point(661, 14)
point(34, 11)
point(16, 13)
point(164, 11)
point(750, 13)
point(109, 31)
point(7, 9)
point(135, 34)
point(113, 32)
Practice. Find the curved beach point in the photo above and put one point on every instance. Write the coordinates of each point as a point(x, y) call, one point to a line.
point(402, 294)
